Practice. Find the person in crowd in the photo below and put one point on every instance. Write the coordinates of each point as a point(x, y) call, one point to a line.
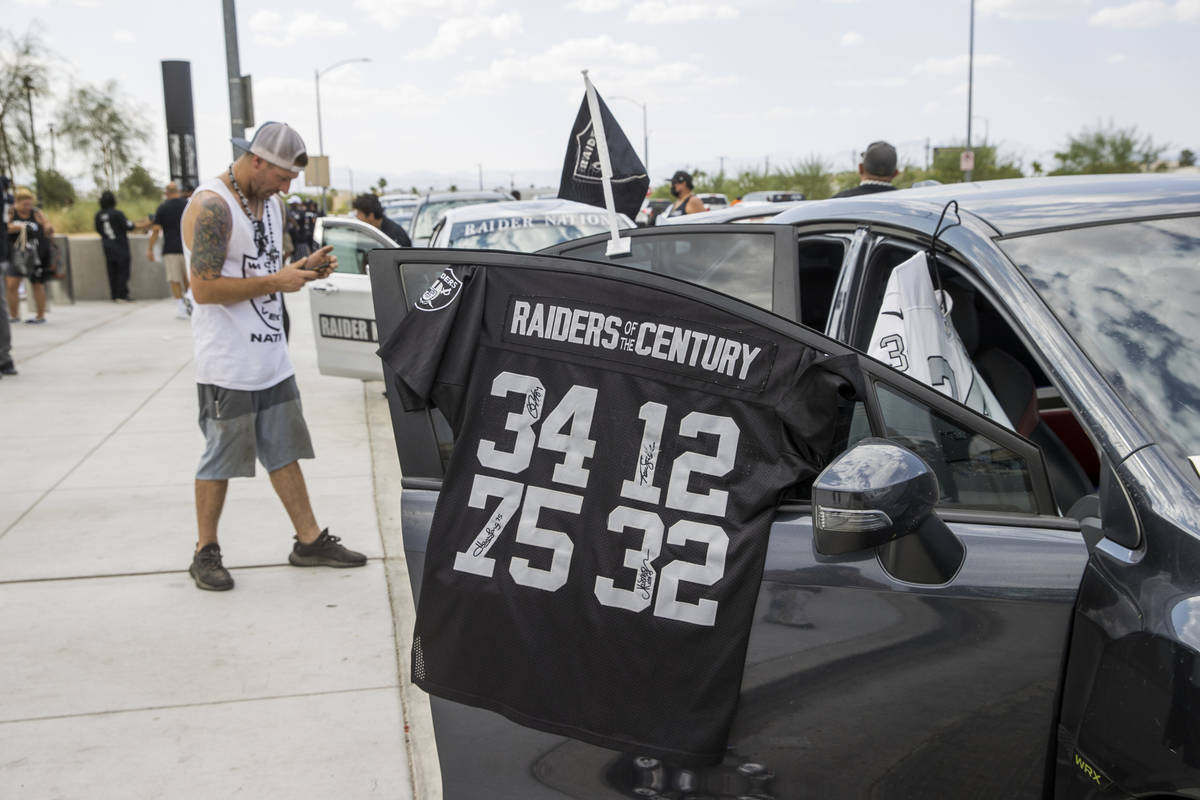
point(301, 247)
point(369, 210)
point(166, 224)
point(876, 171)
point(685, 202)
point(114, 227)
point(7, 367)
point(249, 402)
point(312, 213)
point(29, 235)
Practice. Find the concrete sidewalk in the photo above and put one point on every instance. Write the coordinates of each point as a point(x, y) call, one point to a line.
point(118, 678)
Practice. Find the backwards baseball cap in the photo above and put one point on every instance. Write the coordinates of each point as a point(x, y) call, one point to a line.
point(879, 159)
point(276, 143)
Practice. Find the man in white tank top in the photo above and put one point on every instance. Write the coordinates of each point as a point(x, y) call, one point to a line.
point(249, 404)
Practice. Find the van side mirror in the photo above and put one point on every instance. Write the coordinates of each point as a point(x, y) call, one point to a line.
point(873, 493)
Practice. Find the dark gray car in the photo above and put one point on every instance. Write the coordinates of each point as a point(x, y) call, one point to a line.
point(1048, 643)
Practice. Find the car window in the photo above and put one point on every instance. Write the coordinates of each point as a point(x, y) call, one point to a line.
point(741, 265)
point(973, 470)
point(1129, 294)
point(429, 213)
point(526, 234)
point(351, 247)
point(819, 259)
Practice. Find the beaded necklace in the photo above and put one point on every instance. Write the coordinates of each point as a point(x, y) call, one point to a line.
point(261, 238)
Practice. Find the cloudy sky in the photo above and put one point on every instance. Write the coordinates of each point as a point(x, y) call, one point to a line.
point(458, 86)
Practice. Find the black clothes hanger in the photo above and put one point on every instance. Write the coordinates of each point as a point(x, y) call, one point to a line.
point(933, 242)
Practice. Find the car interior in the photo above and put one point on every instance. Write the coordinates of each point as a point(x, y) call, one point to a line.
point(1026, 395)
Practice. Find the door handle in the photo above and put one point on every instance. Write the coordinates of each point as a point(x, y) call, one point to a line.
point(325, 288)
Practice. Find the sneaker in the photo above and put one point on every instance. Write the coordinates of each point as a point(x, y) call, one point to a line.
point(36, 321)
point(207, 570)
point(324, 552)
point(8, 368)
point(14, 319)
point(187, 302)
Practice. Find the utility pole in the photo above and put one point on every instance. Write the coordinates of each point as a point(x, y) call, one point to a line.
point(237, 102)
point(722, 172)
point(480, 177)
point(970, 85)
point(53, 154)
point(927, 154)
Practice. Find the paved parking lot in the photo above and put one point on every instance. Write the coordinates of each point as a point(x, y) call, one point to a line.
point(120, 678)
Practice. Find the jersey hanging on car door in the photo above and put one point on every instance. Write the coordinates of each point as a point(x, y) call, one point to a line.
point(597, 547)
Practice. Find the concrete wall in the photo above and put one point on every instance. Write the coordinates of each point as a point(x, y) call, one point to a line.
point(89, 276)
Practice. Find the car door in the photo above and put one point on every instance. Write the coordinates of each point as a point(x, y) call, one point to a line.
point(890, 671)
point(343, 316)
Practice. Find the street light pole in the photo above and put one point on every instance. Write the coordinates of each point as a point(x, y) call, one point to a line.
point(317, 73)
point(970, 83)
point(645, 130)
point(37, 181)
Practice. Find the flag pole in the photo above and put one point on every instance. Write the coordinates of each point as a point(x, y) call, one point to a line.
point(616, 246)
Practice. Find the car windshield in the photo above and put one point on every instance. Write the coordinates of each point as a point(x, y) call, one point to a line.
point(527, 234)
point(429, 213)
point(1130, 295)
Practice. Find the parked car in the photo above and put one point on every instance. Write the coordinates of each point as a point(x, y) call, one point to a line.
point(713, 200)
point(524, 226)
point(399, 207)
point(740, 212)
point(650, 210)
point(437, 203)
point(1046, 642)
point(772, 196)
point(342, 312)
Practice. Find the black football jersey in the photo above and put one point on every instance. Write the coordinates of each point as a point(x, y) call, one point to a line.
point(598, 543)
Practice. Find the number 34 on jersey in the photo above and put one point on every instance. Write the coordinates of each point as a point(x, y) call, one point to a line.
point(566, 429)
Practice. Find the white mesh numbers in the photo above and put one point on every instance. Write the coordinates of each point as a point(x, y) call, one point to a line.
point(516, 460)
point(528, 532)
point(640, 561)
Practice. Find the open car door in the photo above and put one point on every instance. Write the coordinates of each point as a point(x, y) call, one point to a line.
point(342, 313)
point(866, 666)
point(754, 263)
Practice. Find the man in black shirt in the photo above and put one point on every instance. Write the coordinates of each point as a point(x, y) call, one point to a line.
point(876, 171)
point(369, 210)
point(166, 222)
point(114, 227)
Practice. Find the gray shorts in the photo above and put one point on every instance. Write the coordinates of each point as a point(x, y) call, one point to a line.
point(175, 267)
point(238, 426)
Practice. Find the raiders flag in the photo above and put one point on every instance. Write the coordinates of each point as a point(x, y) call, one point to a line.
point(581, 175)
point(598, 543)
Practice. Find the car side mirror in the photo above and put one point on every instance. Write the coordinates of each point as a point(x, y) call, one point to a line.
point(873, 493)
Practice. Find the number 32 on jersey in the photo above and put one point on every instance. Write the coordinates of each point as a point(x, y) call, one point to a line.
point(567, 430)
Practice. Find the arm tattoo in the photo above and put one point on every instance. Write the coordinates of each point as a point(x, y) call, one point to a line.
point(210, 238)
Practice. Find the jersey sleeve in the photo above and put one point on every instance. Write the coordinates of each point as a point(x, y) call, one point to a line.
point(432, 351)
point(816, 413)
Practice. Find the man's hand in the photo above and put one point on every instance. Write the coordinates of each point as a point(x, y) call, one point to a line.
point(292, 277)
point(150, 254)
